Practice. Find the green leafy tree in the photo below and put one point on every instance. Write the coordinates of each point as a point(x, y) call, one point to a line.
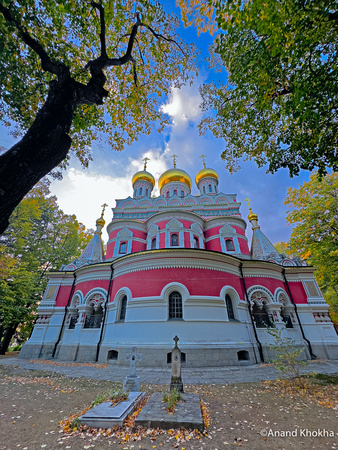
point(279, 104)
point(40, 237)
point(314, 214)
point(74, 69)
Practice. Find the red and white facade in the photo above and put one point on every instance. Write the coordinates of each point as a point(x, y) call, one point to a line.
point(180, 264)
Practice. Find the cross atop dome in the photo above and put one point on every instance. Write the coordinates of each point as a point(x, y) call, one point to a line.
point(203, 159)
point(145, 162)
point(174, 160)
point(104, 207)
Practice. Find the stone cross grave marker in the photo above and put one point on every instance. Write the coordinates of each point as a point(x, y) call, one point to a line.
point(132, 381)
point(176, 379)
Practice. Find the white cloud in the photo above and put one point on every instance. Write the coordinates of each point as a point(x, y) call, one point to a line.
point(82, 192)
point(183, 105)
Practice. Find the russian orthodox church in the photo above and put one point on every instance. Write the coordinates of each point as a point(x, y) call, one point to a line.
point(180, 264)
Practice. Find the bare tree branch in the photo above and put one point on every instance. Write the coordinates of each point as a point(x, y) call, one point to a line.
point(100, 8)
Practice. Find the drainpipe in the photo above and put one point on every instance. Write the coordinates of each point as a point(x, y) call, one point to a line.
point(260, 348)
point(64, 317)
point(313, 356)
point(105, 313)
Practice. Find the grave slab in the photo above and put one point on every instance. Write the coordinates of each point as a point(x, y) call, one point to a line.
point(187, 413)
point(105, 415)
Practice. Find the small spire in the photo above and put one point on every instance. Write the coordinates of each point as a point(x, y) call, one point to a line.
point(104, 207)
point(252, 215)
point(203, 157)
point(145, 162)
point(248, 200)
point(174, 160)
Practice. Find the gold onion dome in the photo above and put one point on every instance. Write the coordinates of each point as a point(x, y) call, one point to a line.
point(252, 216)
point(174, 175)
point(205, 173)
point(100, 222)
point(145, 176)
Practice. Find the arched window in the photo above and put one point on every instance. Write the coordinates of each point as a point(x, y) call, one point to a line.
point(153, 243)
point(73, 320)
point(230, 309)
point(286, 319)
point(261, 317)
point(175, 192)
point(123, 247)
point(140, 191)
point(175, 306)
point(147, 192)
point(167, 194)
point(229, 245)
point(196, 243)
point(210, 188)
point(123, 309)
point(174, 239)
point(182, 193)
point(94, 318)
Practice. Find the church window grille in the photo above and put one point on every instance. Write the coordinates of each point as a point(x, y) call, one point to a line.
point(73, 320)
point(286, 319)
point(123, 309)
point(153, 243)
point(175, 306)
point(229, 245)
point(262, 318)
point(174, 240)
point(94, 319)
point(229, 306)
point(123, 247)
point(196, 243)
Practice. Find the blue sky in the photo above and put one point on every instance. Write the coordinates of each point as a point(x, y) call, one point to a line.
point(83, 191)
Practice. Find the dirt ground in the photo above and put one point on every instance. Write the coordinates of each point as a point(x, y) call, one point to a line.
point(248, 415)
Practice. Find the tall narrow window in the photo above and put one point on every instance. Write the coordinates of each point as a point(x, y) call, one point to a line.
point(123, 309)
point(175, 306)
point(203, 189)
point(174, 240)
point(140, 191)
point(175, 192)
point(196, 243)
point(210, 188)
point(153, 243)
point(147, 192)
point(123, 247)
point(182, 193)
point(168, 194)
point(229, 245)
point(230, 309)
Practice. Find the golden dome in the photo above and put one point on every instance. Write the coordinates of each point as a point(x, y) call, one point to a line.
point(100, 222)
point(174, 175)
point(205, 173)
point(252, 216)
point(144, 175)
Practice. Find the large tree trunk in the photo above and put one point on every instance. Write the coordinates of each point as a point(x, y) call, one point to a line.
point(42, 148)
point(8, 334)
